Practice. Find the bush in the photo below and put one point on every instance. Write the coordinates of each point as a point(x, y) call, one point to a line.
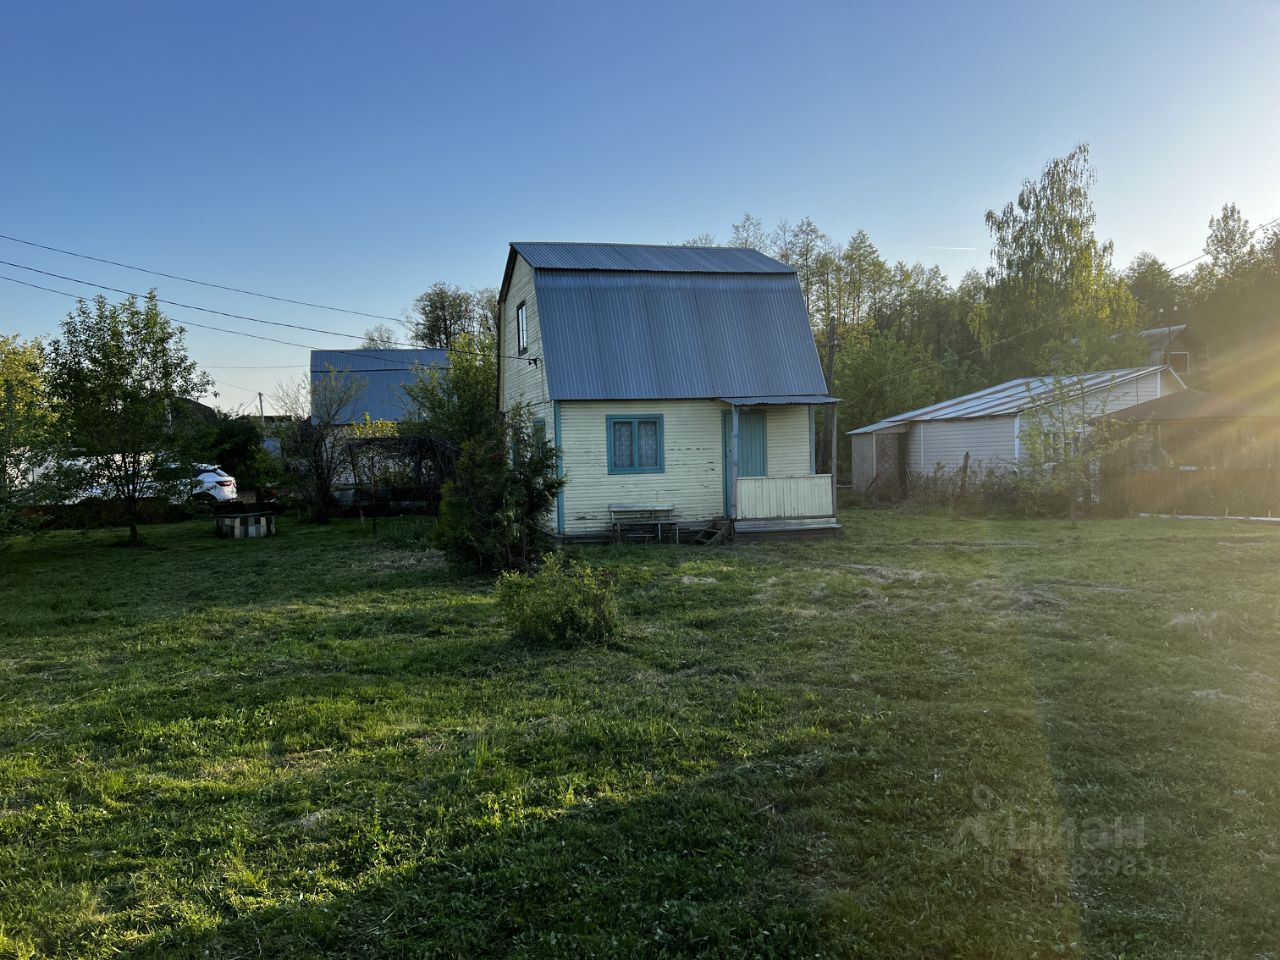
point(494, 514)
point(565, 603)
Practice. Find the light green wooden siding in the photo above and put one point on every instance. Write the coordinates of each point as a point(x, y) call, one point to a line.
point(521, 381)
point(692, 480)
point(788, 441)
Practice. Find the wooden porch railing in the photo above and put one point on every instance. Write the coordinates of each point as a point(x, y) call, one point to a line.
point(769, 498)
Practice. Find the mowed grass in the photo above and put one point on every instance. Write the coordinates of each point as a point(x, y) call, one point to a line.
point(932, 738)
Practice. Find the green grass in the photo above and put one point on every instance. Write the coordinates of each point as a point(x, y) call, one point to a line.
point(915, 741)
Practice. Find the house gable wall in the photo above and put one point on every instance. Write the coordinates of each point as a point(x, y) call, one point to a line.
point(520, 381)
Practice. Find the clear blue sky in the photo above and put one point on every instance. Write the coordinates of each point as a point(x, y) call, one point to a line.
point(354, 153)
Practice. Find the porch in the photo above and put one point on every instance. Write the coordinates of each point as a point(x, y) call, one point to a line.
point(760, 503)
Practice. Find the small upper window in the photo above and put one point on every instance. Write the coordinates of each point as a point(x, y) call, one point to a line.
point(1180, 361)
point(522, 330)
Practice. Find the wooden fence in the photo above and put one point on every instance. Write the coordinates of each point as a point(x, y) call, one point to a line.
point(1196, 492)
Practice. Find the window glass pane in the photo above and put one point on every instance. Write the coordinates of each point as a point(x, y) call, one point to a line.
point(540, 431)
point(622, 452)
point(647, 444)
point(522, 335)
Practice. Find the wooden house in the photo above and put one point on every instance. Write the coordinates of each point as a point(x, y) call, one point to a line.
point(678, 383)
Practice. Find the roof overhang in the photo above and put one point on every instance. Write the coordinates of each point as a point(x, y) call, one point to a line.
point(808, 399)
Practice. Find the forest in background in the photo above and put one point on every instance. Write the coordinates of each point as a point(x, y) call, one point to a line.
point(895, 336)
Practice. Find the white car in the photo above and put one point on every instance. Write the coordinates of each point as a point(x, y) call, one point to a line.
point(209, 483)
point(213, 482)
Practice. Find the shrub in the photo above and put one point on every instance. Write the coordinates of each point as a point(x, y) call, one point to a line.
point(563, 604)
point(494, 514)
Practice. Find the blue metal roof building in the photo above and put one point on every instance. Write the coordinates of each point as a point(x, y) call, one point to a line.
point(383, 375)
point(634, 322)
point(680, 385)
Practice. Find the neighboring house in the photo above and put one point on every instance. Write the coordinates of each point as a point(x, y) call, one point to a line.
point(382, 376)
point(1195, 430)
point(683, 379)
point(1176, 347)
point(984, 429)
point(1201, 453)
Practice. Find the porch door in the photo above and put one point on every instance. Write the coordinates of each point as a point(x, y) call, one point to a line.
point(753, 460)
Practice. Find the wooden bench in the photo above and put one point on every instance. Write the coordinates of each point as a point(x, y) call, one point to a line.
point(648, 518)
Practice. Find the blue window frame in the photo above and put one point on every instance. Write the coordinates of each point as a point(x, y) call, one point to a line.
point(635, 444)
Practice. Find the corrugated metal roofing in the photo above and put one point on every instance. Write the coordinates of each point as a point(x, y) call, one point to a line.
point(385, 374)
point(682, 334)
point(1012, 397)
point(542, 255)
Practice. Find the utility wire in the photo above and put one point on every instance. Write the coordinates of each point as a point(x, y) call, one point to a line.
point(189, 323)
point(239, 316)
point(405, 365)
point(1256, 230)
point(202, 283)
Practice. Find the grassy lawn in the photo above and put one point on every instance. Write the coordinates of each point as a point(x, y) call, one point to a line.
point(934, 737)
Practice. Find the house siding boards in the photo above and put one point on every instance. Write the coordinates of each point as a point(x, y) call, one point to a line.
point(1149, 386)
point(692, 480)
point(683, 334)
point(519, 380)
point(944, 443)
point(936, 441)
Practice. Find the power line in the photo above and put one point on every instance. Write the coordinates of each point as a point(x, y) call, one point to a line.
point(202, 283)
point(1256, 230)
point(405, 365)
point(240, 316)
point(191, 323)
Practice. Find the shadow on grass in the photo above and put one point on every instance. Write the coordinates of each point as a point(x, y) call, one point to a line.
point(687, 871)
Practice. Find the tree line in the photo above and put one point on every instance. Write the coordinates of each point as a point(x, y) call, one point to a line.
point(896, 336)
point(893, 336)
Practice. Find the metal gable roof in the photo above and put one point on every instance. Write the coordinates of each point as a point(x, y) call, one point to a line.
point(634, 334)
point(1011, 397)
point(543, 255)
point(385, 374)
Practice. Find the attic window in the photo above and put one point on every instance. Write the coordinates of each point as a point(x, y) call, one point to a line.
point(1180, 361)
point(522, 330)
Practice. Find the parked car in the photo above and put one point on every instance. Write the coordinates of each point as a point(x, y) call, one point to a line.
point(213, 483)
point(208, 483)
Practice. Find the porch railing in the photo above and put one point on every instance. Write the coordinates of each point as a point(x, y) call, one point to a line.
point(768, 498)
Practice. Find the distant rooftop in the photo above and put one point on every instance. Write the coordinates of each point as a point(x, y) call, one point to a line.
point(1010, 397)
point(384, 373)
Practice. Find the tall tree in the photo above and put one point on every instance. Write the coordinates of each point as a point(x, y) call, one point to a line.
point(750, 232)
point(440, 315)
point(26, 427)
point(1053, 298)
point(116, 378)
point(379, 337)
point(1159, 294)
point(1230, 243)
point(458, 403)
point(488, 311)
